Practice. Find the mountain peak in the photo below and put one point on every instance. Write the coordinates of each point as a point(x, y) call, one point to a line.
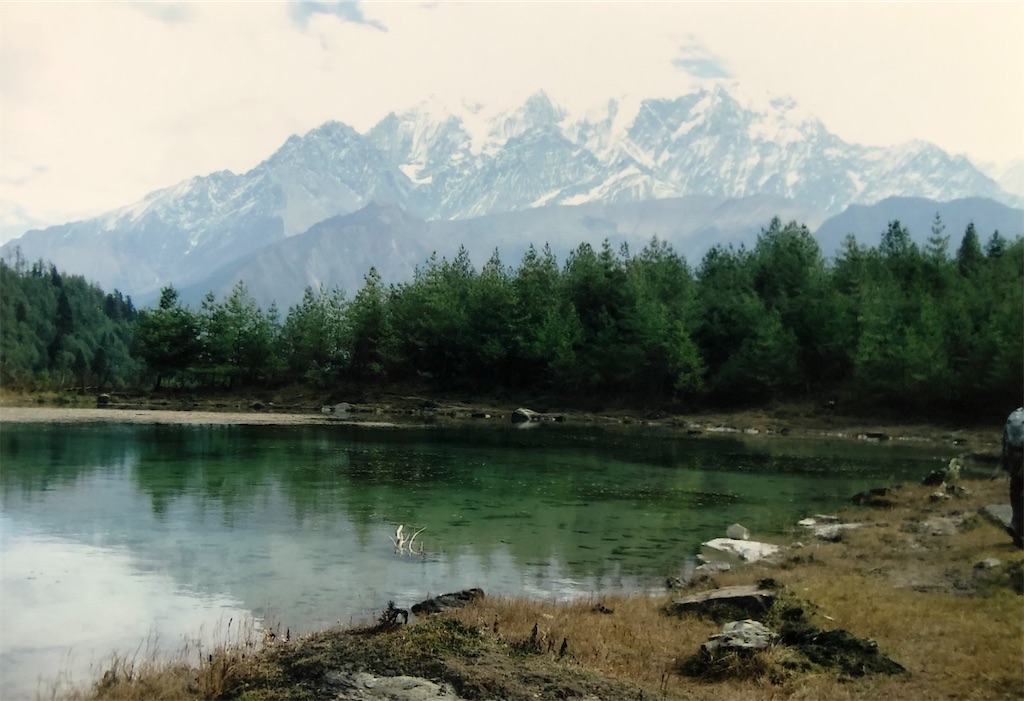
point(538, 112)
point(540, 105)
point(443, 161)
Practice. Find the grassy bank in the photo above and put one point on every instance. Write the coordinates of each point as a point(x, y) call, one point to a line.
point(907, 579)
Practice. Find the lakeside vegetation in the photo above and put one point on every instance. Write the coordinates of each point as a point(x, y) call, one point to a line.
point(896, 325)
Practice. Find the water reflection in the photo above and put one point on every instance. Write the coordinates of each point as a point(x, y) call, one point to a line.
point(292, 524)
point(66, 606)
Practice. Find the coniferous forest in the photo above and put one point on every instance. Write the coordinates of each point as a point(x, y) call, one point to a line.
point(935, 329)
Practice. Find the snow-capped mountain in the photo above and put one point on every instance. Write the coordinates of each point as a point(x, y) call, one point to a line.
point(1009, 175)
point(440, 163)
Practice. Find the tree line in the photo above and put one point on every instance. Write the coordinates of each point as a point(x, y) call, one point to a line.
point(896, 325)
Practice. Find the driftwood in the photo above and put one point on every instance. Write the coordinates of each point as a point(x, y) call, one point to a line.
point(404, 544)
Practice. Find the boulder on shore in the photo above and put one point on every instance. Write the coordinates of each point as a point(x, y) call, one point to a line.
point(753, 599)
point(739, 636)
point(448, 601)
point(339, 408)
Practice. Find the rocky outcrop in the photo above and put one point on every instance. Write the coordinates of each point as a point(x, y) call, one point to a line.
point(448, 601)
point(725, 653)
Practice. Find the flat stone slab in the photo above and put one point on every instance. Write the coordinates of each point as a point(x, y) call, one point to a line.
point(750, 598)
point(747, 550)
point(828, 530)
point(999, 514)
point(362, 686)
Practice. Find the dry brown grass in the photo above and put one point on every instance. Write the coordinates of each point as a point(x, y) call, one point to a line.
point(637, 642)
point(196, 670)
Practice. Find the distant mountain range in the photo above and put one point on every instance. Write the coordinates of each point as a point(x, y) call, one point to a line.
point(338, 252)
point(917, 215)
point(695, 170)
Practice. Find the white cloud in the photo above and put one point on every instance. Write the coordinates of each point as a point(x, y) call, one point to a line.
point(104, 102)
point(695, 59)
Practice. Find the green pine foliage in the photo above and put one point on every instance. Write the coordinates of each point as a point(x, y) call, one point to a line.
point(896, 325)
point(59, 331)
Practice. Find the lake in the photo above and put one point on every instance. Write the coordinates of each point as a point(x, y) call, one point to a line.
point(116, 536)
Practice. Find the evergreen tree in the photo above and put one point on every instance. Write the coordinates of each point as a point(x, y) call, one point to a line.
point(546, 328)
point(969, 258)
point(313, 337)
point(237, 339)
point(937, 248)
point(167, 339)
point(995, 246)
point(608, 350)
point(430, 320)
point(368, 321)
point(664, 298)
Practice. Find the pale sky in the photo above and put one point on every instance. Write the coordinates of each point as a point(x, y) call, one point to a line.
point(101, 103)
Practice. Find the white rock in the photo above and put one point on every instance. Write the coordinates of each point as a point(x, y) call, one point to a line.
point(830, 530)
point(748, 550)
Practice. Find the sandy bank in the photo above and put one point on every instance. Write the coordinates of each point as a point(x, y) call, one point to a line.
point(153, 416)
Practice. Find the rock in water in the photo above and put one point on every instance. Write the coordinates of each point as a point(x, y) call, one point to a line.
point(737, 532)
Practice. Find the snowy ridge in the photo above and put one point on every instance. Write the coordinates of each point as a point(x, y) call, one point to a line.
point(447, 162)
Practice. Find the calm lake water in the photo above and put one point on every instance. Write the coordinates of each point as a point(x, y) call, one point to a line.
point(110, 534)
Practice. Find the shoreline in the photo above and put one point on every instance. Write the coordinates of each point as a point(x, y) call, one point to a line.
point(398, 412)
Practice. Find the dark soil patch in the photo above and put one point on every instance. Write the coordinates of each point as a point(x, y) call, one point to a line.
point(838, 649)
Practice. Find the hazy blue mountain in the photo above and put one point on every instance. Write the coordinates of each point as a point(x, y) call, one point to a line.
point(868, 222)
point(440, 164)
point(338, 252)
point(335, 253)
